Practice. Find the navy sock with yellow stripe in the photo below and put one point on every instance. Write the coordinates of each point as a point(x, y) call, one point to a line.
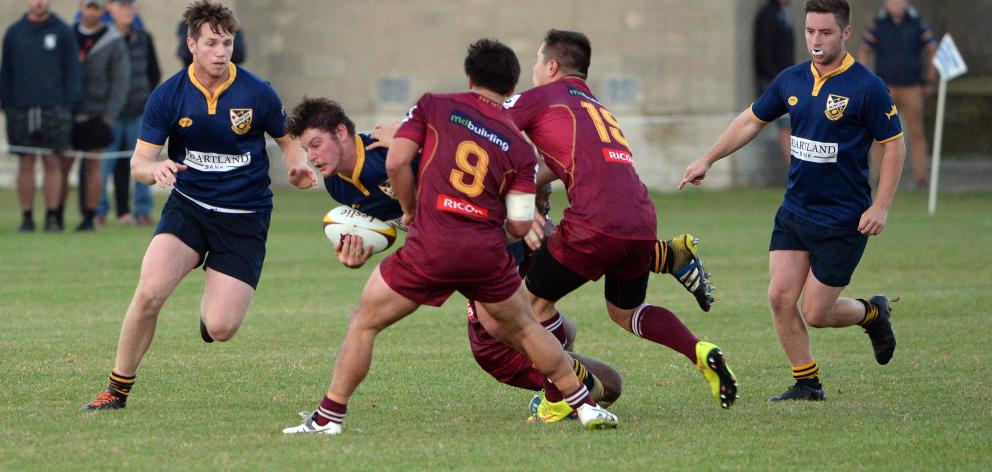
point(807, 373)
point(120, 385)
point(871, 312)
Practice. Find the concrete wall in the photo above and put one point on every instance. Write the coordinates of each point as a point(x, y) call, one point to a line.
point(674, 72)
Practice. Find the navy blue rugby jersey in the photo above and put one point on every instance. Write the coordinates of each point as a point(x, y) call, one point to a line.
point(835, 119)
point(220, 137)
point(367, 189)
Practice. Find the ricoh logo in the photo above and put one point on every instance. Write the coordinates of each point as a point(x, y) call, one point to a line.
point(454, 205)
point(617, 155)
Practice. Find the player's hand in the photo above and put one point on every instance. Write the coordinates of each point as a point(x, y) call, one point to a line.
point(165, 172)
point(540, 229)
point(694, 173)
point(302, 177)
point(383, 135)
point(408, 218)
point(873, 220)
point(352, 252)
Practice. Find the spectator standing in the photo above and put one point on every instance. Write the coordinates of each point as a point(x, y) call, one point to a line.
point(40, 81)
point(144, 76)
point(903, 48)
point(774, 51)
point(106, 73)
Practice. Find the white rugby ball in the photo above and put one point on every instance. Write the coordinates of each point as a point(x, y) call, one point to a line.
point(345, 220)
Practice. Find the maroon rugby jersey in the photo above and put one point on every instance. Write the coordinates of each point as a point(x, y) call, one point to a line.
point(582, 144)
point(473, 155)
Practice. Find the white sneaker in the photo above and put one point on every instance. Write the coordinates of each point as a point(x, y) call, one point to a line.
point(596, 417)
point(310, 426)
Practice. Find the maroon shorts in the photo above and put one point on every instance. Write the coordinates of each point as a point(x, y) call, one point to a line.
point(501, 361)
point(591, 254)
point(405, 277)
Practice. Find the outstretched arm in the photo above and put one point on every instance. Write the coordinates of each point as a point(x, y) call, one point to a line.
point(740, 132)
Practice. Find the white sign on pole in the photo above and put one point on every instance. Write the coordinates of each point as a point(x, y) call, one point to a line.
point(950, 65)
point(948, 60)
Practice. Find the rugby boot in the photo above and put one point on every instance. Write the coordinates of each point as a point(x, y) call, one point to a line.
point(802, 391)
point(548, 412)
point(686, 267)
point(204, 334)
point(310, 426)
point(723, 383)
point(594, 417)
point(883, 338)
point(106, 400)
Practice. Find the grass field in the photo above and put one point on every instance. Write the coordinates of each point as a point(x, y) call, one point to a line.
point(425, 404)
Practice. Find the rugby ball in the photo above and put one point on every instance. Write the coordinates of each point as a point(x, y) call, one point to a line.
point(345, 220)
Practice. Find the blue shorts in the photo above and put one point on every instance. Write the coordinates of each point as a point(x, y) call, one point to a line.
point(833, 253)
point(230, 243)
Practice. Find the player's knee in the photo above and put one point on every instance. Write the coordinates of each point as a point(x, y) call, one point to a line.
point(221, 334)
point(781, 300)
point(149, 300)
point(620, 316)
point(816, 318)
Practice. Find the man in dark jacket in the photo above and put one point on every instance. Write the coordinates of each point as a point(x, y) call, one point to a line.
point(774, 50)
point(145, 75)
point(40, 81)
point(106, 74)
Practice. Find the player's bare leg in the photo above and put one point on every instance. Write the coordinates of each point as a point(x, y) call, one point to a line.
point(167, 261)
point(789, 271)
point(224, 305)
point(379, 307)
point(661, 326)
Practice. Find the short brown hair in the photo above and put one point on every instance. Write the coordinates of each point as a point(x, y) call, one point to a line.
point(317, 113)
point(571, 49)
point(840, 9)
point(219, 17)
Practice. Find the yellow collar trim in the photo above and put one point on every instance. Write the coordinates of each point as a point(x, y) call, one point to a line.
point(212, 99)
point(356, 173)
point(819, 81)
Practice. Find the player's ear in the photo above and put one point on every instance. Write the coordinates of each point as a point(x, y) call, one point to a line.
point(190, 42)
point(847, 32)
point(553, 67)
point(341, 132)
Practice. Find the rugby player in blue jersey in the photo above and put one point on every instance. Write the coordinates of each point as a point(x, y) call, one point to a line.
point(838, 108)
point(215, 116)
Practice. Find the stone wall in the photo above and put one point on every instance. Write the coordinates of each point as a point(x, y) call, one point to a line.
point(674, 72)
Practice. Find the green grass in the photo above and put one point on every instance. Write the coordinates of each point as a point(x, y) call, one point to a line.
point(425, 404)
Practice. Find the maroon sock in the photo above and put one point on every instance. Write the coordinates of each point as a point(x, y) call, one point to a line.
point(659, 325)
point(551, 392)
point(556, 326)
point(330, 411)
point(579, 397)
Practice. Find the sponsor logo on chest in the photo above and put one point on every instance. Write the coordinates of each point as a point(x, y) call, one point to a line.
point(213, 162)
point(618, 156)
point(461, 207)
point(813, 151)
